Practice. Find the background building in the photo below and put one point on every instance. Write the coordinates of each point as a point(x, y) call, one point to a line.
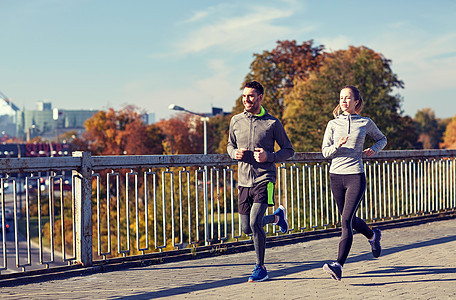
point(44, 121)
point(8, 117)
point(50, 123)
point(150, 118)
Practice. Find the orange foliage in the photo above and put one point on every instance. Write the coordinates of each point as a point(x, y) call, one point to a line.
point(122, 132)
point(184, 134)
point(449, 137)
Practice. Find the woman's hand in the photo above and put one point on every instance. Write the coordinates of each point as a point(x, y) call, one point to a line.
point(342, 141)
point(368, 152)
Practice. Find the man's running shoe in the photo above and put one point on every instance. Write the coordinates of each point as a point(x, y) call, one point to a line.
point(334, 269)
point(375, 243)
point(282, 222)
point(259, 274)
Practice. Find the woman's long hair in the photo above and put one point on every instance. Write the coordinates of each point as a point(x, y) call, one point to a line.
point(357, 94)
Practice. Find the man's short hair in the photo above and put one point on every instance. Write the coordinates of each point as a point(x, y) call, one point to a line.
point(255, 85)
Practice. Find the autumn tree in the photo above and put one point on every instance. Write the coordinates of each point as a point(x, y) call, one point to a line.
point(429, 128)
point(277, 70)
point(13, 140)
point(74, 139)
point(310, 104)
point(122, 132)
point(183, 134)
point(449, 137)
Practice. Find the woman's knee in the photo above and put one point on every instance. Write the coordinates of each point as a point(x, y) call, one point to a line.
point(346, 222)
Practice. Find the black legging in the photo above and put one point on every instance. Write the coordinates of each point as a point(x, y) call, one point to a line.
point(348, 191)
point(254, 223)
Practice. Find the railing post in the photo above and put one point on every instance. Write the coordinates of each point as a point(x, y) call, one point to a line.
point(83, 208)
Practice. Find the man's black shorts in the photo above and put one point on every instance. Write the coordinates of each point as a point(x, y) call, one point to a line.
point(261, 193)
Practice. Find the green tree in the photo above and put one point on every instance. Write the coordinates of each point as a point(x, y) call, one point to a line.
point(429, 128)
point(277, 70)
point(310, 104)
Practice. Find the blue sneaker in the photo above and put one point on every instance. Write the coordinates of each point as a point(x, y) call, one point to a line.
point(283, 223)
point(259, 274)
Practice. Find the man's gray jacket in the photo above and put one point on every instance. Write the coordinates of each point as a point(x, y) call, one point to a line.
point(254, 131)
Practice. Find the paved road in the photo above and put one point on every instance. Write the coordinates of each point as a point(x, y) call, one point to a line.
point(23, 246)
point(23, 259)
point(417, 263)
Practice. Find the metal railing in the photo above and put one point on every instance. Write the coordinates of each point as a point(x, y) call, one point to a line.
point(95, 208)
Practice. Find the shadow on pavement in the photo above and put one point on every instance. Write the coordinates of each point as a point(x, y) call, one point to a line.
point(303, 266)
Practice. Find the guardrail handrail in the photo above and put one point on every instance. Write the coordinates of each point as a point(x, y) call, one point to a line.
point(400, 183)
point(37, 164)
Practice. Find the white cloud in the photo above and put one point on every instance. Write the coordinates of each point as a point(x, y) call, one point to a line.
point(421, 59)
point(219, 87)
point(197, 16)
point(426, 62)
point(237, 33)
point(337, 43)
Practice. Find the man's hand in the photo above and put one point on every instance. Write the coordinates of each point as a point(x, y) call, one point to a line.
point(239, 153)
point(260, 155)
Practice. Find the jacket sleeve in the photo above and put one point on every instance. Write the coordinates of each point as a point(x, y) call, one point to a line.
point(378, 136)
point(328, 148)
point(286, 148)
point(232, 145)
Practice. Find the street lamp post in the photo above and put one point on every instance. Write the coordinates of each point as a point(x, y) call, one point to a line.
point(206, 214)
point(203, 118)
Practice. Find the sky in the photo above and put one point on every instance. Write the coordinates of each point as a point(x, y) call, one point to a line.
point(100, 54)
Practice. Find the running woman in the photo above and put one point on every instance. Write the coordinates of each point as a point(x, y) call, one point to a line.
point(343, 143)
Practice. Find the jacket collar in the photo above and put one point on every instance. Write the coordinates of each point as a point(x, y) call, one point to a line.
point(350, 116)
point(262, 113)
